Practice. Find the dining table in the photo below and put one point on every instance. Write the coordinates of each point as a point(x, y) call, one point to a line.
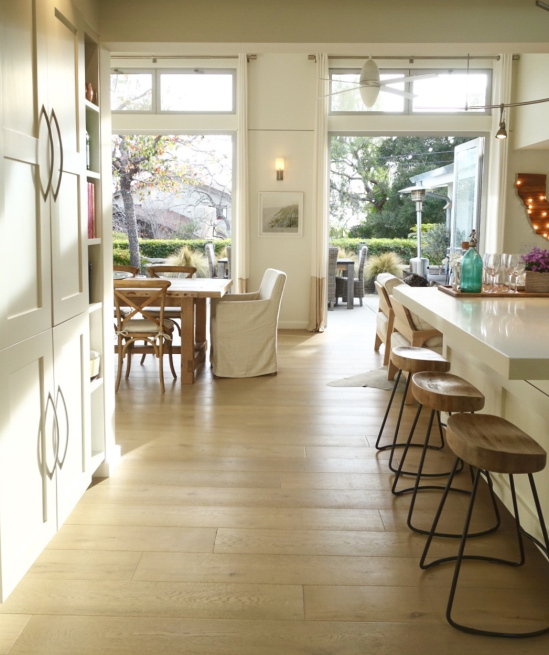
point(348, 265)
point(191, 295)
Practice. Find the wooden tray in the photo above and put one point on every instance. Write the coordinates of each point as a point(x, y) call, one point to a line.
point(489, 294)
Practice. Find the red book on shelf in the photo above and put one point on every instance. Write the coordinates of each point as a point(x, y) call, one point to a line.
point(91, 210)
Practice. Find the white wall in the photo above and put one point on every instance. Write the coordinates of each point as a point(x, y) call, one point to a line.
point(281, 124)
point(518, 233)
point(325, 21)
point(531, 123)
point(90, 10)
point(528, 148)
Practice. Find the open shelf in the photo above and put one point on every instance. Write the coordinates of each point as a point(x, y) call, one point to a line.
point(96, 384)
point(96, 241)
point(91, 106)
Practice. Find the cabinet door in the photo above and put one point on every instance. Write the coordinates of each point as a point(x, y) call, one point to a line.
point(71, 354)
point(28, 453)
point(25, 158)
point(66, 87)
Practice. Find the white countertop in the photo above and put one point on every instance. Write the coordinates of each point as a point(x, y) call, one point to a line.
point(509, 335)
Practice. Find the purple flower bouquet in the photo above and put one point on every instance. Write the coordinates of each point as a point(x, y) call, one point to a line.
point(537, 271)
point(537, 260)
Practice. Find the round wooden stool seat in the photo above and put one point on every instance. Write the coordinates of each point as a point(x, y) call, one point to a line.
point(413, 360)
point(446, 392)
point(491, 443)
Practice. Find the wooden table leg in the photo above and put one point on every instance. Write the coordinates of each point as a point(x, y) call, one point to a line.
point(200, 329)
point(200, 304)
point(187, 340)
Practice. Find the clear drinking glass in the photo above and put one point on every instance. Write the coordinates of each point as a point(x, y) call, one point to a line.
point(518, 270)
point(509, 261)
point(492, 264)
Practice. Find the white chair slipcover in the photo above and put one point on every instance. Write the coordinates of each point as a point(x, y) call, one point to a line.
point(244, 329)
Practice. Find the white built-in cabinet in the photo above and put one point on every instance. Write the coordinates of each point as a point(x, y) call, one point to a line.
point(53, 429)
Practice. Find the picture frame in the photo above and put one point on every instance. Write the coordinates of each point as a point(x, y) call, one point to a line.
point(280, 213)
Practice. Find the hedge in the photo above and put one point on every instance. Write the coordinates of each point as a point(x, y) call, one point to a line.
point(163, 248)
point(406, 248)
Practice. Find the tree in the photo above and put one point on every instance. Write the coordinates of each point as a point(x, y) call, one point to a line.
point(140, 163)
point(368, 172)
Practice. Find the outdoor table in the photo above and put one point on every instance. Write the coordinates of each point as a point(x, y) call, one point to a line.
point(349, 266)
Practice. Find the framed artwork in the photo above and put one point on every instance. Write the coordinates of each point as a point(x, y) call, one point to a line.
point(281, 213)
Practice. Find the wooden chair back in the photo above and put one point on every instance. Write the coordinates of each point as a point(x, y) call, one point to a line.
point(384, 302)
point(134, 270)
point(404, 324)
point(132, 297)
point(175, 271)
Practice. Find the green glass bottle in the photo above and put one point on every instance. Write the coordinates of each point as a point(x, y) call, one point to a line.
point(471, 268)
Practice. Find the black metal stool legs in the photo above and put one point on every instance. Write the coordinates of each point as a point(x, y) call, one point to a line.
point(394, 443)
point(387, 414)
point(432, 487)
point(496, 560)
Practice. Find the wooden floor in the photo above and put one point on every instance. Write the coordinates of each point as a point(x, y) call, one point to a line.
point(255, 517)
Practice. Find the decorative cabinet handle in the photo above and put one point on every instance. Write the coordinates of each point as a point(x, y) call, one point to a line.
point(50, 139)
point(54, 119)
point(61, 396)
point(55, 436)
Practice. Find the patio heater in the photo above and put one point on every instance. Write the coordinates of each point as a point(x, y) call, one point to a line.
point(419, 264)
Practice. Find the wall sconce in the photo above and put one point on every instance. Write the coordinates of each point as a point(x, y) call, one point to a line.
point(279, 165)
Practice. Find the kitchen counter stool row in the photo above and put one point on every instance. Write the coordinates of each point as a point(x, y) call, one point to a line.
point(480, 443)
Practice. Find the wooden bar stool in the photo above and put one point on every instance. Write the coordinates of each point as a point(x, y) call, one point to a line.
point(490, 443)
point(410, 360)
point(439, 392)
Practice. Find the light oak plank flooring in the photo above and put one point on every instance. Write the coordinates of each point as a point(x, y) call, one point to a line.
point(254, 517)
point(11, 626)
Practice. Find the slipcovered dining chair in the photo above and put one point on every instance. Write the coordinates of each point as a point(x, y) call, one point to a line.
point(341, 282)
point(244, 330)
point(209, 249)
point(138, 324)
point(332, 271)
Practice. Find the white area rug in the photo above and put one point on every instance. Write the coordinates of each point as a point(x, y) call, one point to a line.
point(376, 379)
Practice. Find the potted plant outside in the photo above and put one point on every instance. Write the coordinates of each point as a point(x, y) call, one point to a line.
point(387, 262)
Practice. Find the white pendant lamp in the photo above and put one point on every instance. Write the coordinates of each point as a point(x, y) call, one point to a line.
point(369, 83)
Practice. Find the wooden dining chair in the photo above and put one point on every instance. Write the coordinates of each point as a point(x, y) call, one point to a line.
point(410, 330)
point(171, 271)
point(140, 324)
point(166, 271)
point(134, 270)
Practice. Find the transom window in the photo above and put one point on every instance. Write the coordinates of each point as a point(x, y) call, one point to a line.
point(173, 91)
point(447, 93)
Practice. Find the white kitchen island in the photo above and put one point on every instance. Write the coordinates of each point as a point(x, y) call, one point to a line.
point(501, 345)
